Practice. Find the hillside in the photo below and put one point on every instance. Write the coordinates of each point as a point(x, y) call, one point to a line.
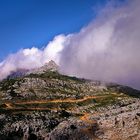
point(46, 105)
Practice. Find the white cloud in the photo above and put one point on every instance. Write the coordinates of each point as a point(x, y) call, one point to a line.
point(53, 49)
point(32, 58)
point(108, 48)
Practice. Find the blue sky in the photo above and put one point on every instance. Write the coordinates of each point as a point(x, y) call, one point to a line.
point(27, 23)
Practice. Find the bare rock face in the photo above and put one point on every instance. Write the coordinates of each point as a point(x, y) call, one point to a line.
point(27, 126)
point(50, 66)
point(74, 130)
point(39, 126)
point(124, 126)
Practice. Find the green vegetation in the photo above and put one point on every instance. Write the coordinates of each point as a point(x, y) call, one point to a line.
point(6, 84)
point(100, 101)
point(86, 102)
point(55, 75)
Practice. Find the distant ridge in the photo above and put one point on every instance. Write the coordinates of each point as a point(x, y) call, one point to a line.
point(18, 73)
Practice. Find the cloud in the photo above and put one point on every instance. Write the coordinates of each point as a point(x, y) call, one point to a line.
point(107, 49)
point(32, 58)
point(54, 48)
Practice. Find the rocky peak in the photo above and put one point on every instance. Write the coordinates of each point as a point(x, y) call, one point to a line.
point(50, 66)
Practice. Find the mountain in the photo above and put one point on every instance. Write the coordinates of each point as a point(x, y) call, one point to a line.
point(42, 104)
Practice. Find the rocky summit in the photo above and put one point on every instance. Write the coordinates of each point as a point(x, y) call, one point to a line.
point(43, 104)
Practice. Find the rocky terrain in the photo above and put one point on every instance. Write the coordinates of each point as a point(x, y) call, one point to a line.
point(43, 104)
